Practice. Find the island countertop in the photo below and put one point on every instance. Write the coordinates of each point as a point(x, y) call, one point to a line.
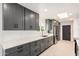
point(21, 40)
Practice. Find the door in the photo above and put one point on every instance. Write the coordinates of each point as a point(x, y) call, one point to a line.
point(66, 32)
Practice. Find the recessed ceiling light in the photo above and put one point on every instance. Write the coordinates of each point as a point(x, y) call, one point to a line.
point(45, 10)
point(70, 13)
point(62, 15)
point(70, 18)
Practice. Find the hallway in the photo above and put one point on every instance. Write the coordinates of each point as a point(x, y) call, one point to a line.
point(62, 48)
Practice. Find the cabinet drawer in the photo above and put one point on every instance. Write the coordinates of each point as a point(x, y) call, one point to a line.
point(11, 54)
point(35, 51)
point(24, 46)
point(23, 52)
point(18, 50)
point(43, 44)
point(19, 53)
point(49, 41)
point(35, 44)
point(35, 48)
point(10, 50)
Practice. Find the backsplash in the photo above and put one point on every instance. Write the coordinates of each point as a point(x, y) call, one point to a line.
point(11, 35)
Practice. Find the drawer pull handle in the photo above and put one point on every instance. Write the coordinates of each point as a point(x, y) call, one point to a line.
point(19, 51)
point(35, 50)
point(19, 47)
point(35, 44)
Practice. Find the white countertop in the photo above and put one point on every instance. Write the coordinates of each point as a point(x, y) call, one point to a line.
point(20, 40)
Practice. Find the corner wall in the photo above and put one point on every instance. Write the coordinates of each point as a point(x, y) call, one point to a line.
point(0, 17)
point(76, 28)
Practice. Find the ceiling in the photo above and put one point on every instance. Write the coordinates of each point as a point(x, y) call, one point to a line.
point(50, 10)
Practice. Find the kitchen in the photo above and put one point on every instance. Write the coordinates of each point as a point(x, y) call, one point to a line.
point(26, 32)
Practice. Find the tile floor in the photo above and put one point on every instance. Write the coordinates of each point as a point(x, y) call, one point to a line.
point(62, 48)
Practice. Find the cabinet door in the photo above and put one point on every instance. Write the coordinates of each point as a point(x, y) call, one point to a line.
point(49, 41)
point(43, 44)
point(10, 50)
point(13, 16)
point(33, 21)
point(27, 19)
point(21, 50)
point(37, 20)
point(35, 48)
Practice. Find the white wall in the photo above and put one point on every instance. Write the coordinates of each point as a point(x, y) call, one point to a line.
point(0, 21)
point(0, 17)
point(76, 27)
point(66, 23)
point(32, 6)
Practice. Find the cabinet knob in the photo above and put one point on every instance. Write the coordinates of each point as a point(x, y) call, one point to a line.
point(36, 50)
point(19, 51)
point(30, 26)
point(19, 47)
point(15, 25)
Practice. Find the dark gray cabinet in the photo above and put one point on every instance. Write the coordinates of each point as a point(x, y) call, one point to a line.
point(35, 48)
point(17, 17)
point(13, 16)
point(49, 41)
point(37, 21)
point(43, 45)
point(31, 20)
point(48, 25)
point(27, 21)
point(30, 49)
point(21, 50)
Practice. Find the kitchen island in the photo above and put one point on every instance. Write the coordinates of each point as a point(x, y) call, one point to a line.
point(24, 45)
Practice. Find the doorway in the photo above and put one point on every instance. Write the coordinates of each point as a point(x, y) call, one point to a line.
point(66, 32)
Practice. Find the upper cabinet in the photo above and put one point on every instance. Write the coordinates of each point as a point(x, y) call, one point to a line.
point(13, 17)
point(49, 25)
point(37, 20)
point(17, 17)
point(31, 20)
point(53, 26)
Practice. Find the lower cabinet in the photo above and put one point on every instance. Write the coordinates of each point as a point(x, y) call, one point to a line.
point(49, 41)
point(43, 44)
point(30, 49)
point(35, 48)
point(22, 50)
